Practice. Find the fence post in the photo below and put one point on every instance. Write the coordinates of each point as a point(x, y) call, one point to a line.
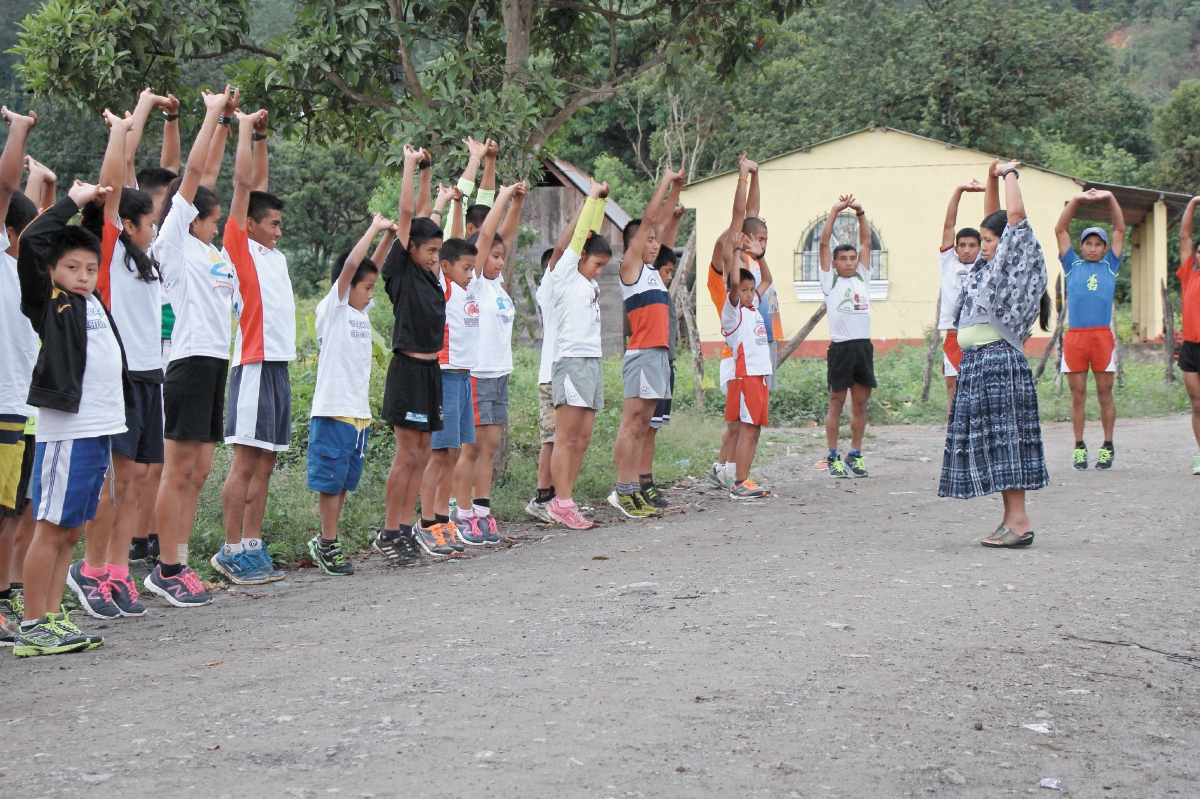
point(1168, 332)
point(935, 336)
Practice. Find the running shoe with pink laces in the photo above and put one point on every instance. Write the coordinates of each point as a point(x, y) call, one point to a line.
point(125, 596)
point(468, 529)
point(567, 514)
point(95, 593)
point(489, 527)
point(183, 590)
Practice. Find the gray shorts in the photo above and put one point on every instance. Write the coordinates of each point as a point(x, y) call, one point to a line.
point(647, 373)
point(578, 382)
point(491, 400)
point(772, 347)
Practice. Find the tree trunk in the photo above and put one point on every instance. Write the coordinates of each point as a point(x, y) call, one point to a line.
point(518, 26)
point(798, 339)
point(1168, 333)
point(500, 457)
point(693, 333)
point(1117, 354)
point(935, 337)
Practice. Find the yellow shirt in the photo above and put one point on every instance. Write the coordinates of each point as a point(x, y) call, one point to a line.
point(977, 335)
point(359, 424)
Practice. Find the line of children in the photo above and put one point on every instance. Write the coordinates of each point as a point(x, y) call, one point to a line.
point(959, 251)
point(1091, 279)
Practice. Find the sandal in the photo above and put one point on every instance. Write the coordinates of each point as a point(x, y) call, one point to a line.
point(1005, 538)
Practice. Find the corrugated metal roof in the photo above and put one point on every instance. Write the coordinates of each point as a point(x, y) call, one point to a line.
point(582, 181)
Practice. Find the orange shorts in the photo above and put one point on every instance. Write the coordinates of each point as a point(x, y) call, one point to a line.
point(748, 400)
point(1086, 348)
point(951, 354)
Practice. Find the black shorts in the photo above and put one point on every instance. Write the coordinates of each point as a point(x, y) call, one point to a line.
point(1189, 357)
point(23, 481)
point(194, 399)
point(412, 394)
point(851, 363)
point(142, 441)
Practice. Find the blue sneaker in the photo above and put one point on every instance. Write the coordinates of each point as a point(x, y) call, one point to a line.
point(238, 568)
point(264, 563)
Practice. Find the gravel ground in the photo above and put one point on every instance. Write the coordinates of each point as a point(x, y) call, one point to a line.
point(846, 639)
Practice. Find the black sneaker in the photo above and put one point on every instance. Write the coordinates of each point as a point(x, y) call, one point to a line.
point(856, 465)
point(398, 549)
point(7, 637)
point(1104, 459)
point(328, 556)
point(183, 590)
point(1080, 457)
point(837, 468)
point(95, 594)
point(45, 638)
point(140, 568)
point(651, 497)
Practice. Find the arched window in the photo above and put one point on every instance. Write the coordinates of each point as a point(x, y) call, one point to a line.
point(808, 257)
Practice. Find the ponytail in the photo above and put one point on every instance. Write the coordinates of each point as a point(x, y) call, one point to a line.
point(1046, 310)
point(596, 245)
point(136, 206)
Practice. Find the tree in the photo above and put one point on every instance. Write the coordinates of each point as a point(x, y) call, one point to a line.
point(377, 73)
point(1177, 128)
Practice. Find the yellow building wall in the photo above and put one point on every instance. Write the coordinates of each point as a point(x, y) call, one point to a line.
point(904, 183)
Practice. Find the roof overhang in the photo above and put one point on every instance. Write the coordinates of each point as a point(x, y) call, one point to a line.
point(563, 173)
point(1135, 202)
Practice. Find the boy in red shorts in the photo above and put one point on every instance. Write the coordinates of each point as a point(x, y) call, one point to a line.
point(1189, 353)
point(959, 252)
point(1091, 277)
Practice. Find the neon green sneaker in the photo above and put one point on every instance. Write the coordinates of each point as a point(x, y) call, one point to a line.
point(837, 468)
point(47, 638)
point(631, 505)
point(1105, 459)
point(62, 622)
point(1080, 458)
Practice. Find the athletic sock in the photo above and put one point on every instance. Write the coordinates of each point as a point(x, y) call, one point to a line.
point(467, 512)
point(427, 523)
point(833, 453)
point(88, 571)
point(17, 586)
point(252, 543)
point(627, 489)
point(405, 529)
point(1107, 445)
point(646, 480)
point(855, 452)
point(438, 519)
point(6, 593)
point(544, 495)
point(482, 502)
point(327, 544)
point(139, 549)
point(718, 466)
point(1080, 445)
point(171, 569)
point(233, 549)
point(387, 534)
point(115, 572)
point(482, 507)
point(731, 468)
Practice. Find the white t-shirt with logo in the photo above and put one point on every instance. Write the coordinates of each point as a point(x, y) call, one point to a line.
point(847, 303)
point(18, 341)
point(135, 305)
point(460, 346)
point(102, 403)
point(344, 366)
point(200, 284)
point(545, 301)
point(954, 272)
point(576, 310)
point(263, 300)
point(496, 314)
point(745, 334)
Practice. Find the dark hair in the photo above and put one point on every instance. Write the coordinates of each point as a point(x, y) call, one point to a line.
point(453, 249)
point(549, 251)
point(631, 229)
point(996, 222)
point(421, 230)
point(71, 237)
point(153, 178)
point(476, 214)
point(21, 211)
point(968, 233)
point(596, 245)
point(843, 248)
point(206, 201)
point(136, 206)
point(1046, 310)
point(666, 255)
point(753, 225)
point(365, 267)
point(746, 274)
point(262, 203)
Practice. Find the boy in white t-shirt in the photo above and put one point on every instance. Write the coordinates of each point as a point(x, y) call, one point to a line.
point(341, 412)
point(959, 251)
point(846, 282)
point(82, 388)
point(258, 416)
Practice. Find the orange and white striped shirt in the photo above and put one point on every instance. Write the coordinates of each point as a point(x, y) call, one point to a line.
point(263, 300)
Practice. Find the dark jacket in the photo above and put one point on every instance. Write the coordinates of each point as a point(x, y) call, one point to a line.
point(59, 317)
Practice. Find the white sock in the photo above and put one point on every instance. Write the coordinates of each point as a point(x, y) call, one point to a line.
point(252, 543)
point(481, 511)
point(233, 549)
point(466, 513)
point(730, 470)
point(718, 466)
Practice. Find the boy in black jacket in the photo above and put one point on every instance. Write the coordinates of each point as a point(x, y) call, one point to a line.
point(81, 386)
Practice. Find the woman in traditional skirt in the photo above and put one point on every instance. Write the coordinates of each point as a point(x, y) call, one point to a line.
point(994, 435)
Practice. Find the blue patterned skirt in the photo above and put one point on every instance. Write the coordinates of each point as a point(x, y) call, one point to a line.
point(994, 435)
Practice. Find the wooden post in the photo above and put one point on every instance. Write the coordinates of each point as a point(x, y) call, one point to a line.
point(1168, 332)
point(1058, 330)
point(688, 310)
point(935, 337)
point(798, 339)
point(1117, 354)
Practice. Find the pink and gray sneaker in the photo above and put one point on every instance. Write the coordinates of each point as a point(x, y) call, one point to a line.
point(567, 514)
point(125, 596)
point(183, 590)
point(95, 593)
point(489, 527)
point(467, 529)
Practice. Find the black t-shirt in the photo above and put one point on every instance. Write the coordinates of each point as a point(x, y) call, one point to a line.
point(417, 301)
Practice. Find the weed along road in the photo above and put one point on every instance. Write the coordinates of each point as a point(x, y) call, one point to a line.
point(847, 639)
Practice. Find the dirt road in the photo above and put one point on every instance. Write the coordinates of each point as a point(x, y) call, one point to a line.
point(847, 639)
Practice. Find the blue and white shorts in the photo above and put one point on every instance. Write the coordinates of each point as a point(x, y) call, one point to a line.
point(259, 411)
point(336, 451)
point(68, 477)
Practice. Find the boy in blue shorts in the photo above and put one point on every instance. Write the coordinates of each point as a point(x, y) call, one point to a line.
point(82, 387)
point(341, 411)
point(1091, 279)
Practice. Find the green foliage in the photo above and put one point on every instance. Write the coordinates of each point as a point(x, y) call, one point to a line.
point(1178, 128)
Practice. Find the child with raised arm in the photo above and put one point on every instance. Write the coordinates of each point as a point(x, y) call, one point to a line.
point(341, 411)
point(129, 285)
point(258, 416)
point(412, 399)
point(577, 377)
point(846, 282)
point(1189, 352)
point(200, 283)
point(959, 251)
point(1090, 280)
point(489, 377)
